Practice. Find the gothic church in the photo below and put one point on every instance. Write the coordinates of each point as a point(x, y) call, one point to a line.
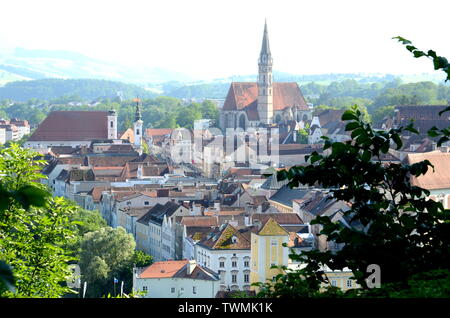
point(264, 103)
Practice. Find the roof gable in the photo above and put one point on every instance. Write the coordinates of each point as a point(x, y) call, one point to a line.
point(272, 228)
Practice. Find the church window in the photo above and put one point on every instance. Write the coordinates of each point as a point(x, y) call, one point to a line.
point(112, 124)
point(137, 131)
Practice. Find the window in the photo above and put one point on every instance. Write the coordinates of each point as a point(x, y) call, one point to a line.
point(222, 264)
point(144, 288)
point(274, 243)
point(246, 278)
point(233, 263)
point(194, 290)
point(112, 124)
point(233, 278)
point(349, 283)
point(146, 203)
point(137, 131)
point(172, 290)
point(333, 283)
point(246, 263)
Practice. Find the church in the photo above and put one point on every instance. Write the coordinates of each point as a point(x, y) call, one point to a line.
point(264, 103)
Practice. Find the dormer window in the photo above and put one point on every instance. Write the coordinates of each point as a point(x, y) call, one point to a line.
point(234, 239)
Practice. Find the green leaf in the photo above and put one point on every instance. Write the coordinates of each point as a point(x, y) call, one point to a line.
point(6, 276)
point(418, 53)
point(410, 48)
point(351, 126)
point(367, 155)
point(397, 140)
point(357, 132)
point(440, 62)
point(401, 39)
point(349, 115)
point(30, 195)
point(432, 54)
point(445, 110)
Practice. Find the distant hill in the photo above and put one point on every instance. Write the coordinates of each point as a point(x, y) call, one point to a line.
point(85, 89)
point(38, 64)
point(218, 88)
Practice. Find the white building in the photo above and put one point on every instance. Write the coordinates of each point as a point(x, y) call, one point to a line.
point(227, 251)
point(175, 279)
point(154, 231)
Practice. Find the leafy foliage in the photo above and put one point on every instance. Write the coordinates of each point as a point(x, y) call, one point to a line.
point(439, 63)
point(108, 253)
point(34, 228)
point(401, 230)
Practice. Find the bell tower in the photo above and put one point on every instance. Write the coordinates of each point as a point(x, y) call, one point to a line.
point(138, 125)
point(265, 85)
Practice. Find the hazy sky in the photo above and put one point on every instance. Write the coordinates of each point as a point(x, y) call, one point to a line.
point(211, 38)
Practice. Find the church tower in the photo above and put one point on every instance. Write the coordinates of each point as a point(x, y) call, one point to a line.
point(138, 125)
point(265, 85)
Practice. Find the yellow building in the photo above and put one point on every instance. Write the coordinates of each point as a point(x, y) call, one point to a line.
point(267, 250)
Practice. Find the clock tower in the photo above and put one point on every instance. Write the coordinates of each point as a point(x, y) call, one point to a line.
point(265, 84)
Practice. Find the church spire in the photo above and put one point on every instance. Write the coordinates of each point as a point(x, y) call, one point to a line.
point(138, 110)
point(265, 48)
point(265, 86)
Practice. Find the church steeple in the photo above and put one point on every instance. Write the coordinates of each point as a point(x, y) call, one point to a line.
point(138, 110)
point(138, 125)
point(265, 85)
point(265, 55)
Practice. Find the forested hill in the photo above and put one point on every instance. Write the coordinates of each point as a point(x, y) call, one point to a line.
point(77, 89)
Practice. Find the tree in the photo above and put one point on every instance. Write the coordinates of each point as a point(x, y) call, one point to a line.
point(104, 253)
point(34, 228)
point(83, 221)
point(302, 136)
point(403, 232)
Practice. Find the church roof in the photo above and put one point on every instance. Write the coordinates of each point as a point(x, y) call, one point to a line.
point(244, 96)
point(72, 126)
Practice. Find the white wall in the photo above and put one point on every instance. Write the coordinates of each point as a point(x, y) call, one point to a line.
point(212, 258)
point(183, 287)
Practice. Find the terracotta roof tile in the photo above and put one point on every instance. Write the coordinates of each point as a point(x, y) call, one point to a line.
point(152, 132)
point(440, 178)
point(72, 126)
point(244, 95)
point(163, 269)
point(199, 221)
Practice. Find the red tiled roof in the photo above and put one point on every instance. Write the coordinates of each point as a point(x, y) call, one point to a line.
point(199, 221)
point(72, 126)
point(163, 269)
point(244, 95)
point(437, 179)
point(128, 135)
point(151, 132)
point(96, 193)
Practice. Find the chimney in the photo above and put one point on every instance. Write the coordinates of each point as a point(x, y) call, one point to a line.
point(139, 171)
point(191, 266)
point(196, 209)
